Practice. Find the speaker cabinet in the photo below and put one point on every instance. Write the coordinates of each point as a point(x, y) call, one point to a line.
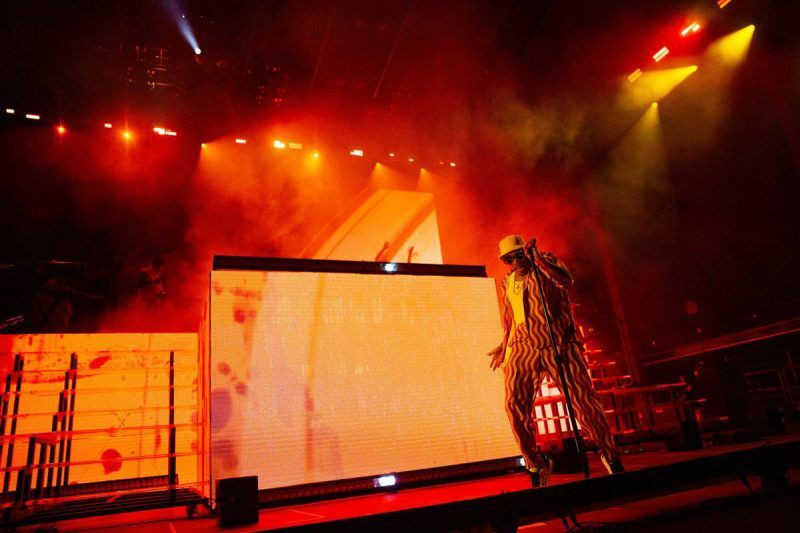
point(237, 501)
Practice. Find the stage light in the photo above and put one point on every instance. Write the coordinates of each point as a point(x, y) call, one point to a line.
point(241, 141)
point(691, 28)
point(390, 267)
point(723, 3)
point(107, 125)
point(410, 159)
point(175, 10)
point(202, 146)
point(441, 163)
point(198, 51)
point(295, 146)
point(391, 154)
point(160, 131)
point(385, 481)
point(280, 145)
point(633, 76)
point(357, 152)
point(452, 163)
point(61, 129)
point(32, 116)
point(661, 54)
point(171, 133)
point(127, 135)
point(9, 111)
point(521, 461)
point(316, 155)
point(654, 85)
point(732, 49)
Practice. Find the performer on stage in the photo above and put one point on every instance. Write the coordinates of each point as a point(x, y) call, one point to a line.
point(526, 354)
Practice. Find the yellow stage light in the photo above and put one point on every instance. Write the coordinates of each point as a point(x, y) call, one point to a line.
point(654, 85)
point(61, 129)
point(280, 145)
point(732, 49)
point(635, 75)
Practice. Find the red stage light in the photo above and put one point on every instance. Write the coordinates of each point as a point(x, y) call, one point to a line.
point(280, 145)
point(691, 28)
point(661, 54)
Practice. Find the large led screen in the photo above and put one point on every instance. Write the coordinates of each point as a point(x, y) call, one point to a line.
point(324, 376)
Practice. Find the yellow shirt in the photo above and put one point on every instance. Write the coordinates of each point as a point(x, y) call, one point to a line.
point(515, 293)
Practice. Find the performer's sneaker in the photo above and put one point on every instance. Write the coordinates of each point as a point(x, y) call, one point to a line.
point(541, 476)
point(614, 467)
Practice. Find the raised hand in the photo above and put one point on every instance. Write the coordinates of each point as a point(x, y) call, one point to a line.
point(530, 246)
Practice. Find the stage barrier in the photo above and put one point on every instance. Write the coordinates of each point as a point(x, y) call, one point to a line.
point(316, 377)
point(96, 408)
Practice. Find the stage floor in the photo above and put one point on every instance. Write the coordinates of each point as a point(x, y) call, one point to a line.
point(175, 520)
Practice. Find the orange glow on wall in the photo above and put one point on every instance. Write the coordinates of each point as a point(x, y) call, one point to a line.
point(321, 376)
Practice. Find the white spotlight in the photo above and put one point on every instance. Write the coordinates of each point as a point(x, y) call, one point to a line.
point(390, 267)
point(9, 111)
point(198, 51)
point(385, 481)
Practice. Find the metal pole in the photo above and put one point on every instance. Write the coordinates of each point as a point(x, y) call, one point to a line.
point(560, 365)
point(171, 465)
point(73, 368)
point(19, 362)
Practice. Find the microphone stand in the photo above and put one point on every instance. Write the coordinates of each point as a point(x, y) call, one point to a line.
point(579, 447)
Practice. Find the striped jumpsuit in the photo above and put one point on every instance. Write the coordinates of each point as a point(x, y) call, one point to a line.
point(529, 357)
